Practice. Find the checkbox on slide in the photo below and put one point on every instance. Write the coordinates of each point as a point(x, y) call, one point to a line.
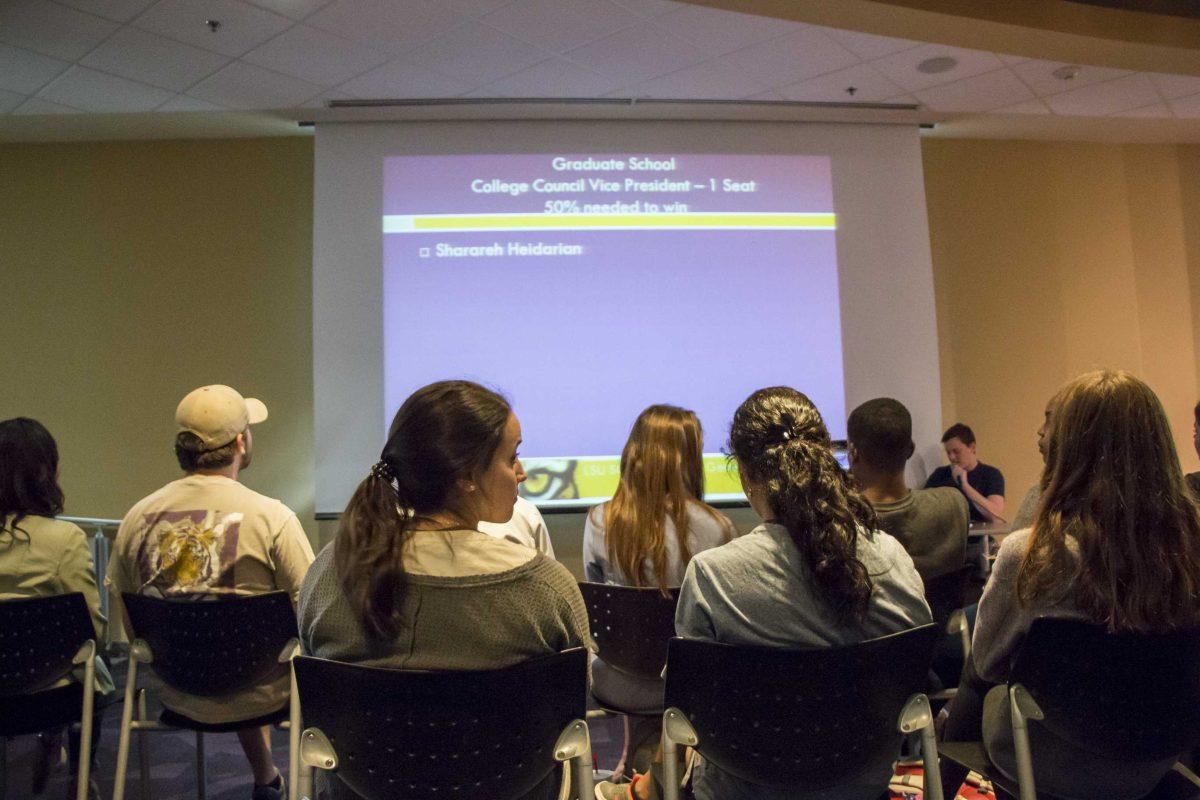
point(423, 252)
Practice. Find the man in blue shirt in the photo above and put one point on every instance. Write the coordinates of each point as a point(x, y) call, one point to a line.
point(982, 484)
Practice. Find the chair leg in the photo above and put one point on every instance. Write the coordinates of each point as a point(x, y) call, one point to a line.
point(294, 723)
point(84, 768)
point(143, 748)
point(125, 731)
point(200, 776)
point(3, 767)
point(933, 773)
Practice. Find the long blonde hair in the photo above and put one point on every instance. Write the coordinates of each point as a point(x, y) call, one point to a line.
point(662, 471)
point(1113, 483)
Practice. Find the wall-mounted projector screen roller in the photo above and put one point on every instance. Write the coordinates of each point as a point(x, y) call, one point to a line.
point(588, 270)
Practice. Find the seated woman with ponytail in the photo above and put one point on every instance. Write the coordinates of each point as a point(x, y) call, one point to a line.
point(409, 583)
point(816, 573)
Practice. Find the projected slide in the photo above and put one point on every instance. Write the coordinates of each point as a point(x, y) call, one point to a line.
point(588, 286)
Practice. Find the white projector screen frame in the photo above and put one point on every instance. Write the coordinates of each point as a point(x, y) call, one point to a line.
point(889, 328)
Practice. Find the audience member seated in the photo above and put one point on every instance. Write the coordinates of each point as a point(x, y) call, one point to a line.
point(41, 556)
point(411, 583)
point(816, 573)
point(1116, 542)
point(205, 534)
point(1193, 478)
point(932, 524)
point(526, 527)
point(982, 484)
point(1026, 513)
point(647, 534)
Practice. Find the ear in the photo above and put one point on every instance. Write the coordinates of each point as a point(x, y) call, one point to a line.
point(466, 485)
point(912, 448)
point(241, 444)
point(851, 453)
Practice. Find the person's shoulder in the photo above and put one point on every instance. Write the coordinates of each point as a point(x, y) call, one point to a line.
point(595, 515)
point(1012, 549)
point(528, 511)
point(990, 470)
point(270, 507)
point(939, 477)
point(944, 498)
point(57, 532)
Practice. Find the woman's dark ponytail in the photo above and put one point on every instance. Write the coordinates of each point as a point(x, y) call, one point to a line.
point(779, 438)
point(444, 431)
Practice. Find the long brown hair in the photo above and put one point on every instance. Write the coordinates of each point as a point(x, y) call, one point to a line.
point(444, 431)
point(780, 441)
point(1113, 484)
point(662, 472)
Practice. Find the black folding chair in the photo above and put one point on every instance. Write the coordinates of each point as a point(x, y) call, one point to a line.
point(212, 646)
point(946, 595)
point(41, 641)
point(631, 627)
point(1125, 697)
point(802, 720)
point(487, 735)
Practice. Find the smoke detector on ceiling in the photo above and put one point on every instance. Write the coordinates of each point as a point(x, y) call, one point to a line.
point(932, 66)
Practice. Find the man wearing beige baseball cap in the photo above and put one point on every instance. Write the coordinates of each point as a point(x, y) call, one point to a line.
point(206, 533)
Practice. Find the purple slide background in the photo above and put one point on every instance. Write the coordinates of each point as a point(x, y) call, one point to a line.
point(581, 344)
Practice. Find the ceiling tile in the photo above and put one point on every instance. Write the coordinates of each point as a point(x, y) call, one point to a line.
point(978, 93)
point(316, 56)
point(242, 85)
point(292, 9)
point(1028, 107)
point(1173, 86)
point(24, 71)
point(399, 80)
point(482, 93)
point(386, 24)
point(719, 31)
point(477, 53)
point(710, 81)
point(1102, 99)
point(476, 8)
point(243, 26)
point(561, 25)
point(149, 58)
point(89, 90)
point(868, 45)
point(1037, 75)
point(555, 77)
point(181, 102)
point(117, 10)
point(1187, 107)
point(869, 87)
point(902, 67)
point(1155, 111)
point(51, 29)
point(36, 106)
point(650, 8)
point(636, 54)
point(795, 57)
point(770, 96)
point(10, 100)
point(1010, 60)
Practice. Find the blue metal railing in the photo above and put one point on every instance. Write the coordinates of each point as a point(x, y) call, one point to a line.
point(100, 545)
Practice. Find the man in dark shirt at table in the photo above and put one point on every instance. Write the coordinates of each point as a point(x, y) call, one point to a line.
point(982, 484)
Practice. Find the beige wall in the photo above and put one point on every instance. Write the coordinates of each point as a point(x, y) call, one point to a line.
point(1055, 258)
point(132, 272)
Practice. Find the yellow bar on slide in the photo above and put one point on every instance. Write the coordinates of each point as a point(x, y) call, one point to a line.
point(685, 220)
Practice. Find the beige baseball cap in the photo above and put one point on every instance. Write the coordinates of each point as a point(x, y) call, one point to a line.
point(217, 414)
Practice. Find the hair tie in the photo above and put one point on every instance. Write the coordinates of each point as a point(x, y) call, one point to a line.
point(787, 435)
point(383, 471)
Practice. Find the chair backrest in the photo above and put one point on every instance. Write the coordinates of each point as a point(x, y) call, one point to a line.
point(631, 626)
point(798, 719)
point(1131, 697)
point(947, 593)
point(216, 644)
point(487, 735)
point(39, 638)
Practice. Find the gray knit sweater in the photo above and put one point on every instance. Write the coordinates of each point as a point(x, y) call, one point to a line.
point(451, 623)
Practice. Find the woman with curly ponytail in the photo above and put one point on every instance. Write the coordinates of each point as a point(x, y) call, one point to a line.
point(816, 573)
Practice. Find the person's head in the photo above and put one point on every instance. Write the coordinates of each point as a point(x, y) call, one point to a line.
point(959, 443)
point(1043, 433)
point(879, 435)
point(28, 472)
point(451, 455)
point(662, 472)
point(791, 476)
point(1113, 484)
point(212, 429)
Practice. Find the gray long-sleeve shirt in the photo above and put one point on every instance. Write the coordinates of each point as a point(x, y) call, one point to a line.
point(758, 591)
